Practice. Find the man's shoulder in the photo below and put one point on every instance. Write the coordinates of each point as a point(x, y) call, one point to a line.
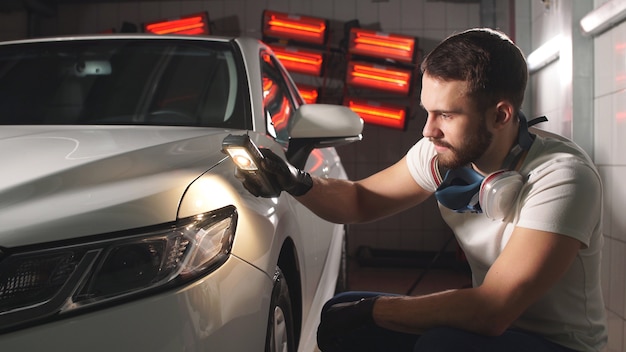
point(550, 150)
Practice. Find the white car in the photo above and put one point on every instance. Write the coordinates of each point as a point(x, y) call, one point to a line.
point(122, 225)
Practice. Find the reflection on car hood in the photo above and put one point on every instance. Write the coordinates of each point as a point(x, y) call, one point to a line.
point(60, 182)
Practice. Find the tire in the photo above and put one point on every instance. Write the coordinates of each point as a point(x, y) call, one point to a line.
point(280, 334)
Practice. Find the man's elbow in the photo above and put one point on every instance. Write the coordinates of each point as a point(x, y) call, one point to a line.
point(492, 324)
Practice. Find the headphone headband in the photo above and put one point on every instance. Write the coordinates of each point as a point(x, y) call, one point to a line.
point(524, 141)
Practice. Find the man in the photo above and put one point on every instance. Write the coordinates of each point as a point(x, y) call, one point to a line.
point(532, 234)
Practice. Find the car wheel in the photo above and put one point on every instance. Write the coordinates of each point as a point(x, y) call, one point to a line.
point(280, 335)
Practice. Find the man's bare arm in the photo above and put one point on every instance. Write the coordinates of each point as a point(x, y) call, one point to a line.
point(529, 265)
point(382, 194)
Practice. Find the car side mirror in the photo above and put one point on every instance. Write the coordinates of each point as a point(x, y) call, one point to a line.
point(321, 126)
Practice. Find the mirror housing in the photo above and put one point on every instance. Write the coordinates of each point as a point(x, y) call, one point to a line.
point(321, 126)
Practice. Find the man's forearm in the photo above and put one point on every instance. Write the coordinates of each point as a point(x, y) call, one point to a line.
point(333, 200)
point(464, 309)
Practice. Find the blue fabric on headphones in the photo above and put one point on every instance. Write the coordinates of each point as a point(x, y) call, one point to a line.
point(459, 190)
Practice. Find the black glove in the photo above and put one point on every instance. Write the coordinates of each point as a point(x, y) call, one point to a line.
point(343, 318)
point(280, 174)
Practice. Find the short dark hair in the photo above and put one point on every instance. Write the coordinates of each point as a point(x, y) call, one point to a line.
point(493, 66)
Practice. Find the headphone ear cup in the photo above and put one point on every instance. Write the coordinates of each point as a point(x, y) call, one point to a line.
point(498, 192)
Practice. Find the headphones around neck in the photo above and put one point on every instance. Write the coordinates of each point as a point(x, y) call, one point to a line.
point(465, 190)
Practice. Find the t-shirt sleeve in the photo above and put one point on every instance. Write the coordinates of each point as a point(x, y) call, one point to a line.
point(418, 160)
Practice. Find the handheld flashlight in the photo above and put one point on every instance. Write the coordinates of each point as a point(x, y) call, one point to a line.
point(247, 157)
point(243, 152)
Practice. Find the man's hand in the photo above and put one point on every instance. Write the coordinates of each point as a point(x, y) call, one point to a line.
point(343, 318)
point(284, 176)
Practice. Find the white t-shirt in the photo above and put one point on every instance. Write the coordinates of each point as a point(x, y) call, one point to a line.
point(562, 193)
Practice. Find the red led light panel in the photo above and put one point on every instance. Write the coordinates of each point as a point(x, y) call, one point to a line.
point(300, 28)
point(196, 24)
point(299, 60)
point(382, 45)
point(380, 114)
point(391, 79)
point(308, 93)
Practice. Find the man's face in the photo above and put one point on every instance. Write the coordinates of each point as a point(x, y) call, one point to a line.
point(458, 131)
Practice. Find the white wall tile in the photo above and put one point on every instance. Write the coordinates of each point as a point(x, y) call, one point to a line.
point(108, 17)
point(619, 131)
point(188, 7)
point(279, 5)
point(225, 18)
point(606, 269)
point(368, 14)
point(344, 10)
point(412, 239)
point(435, 15)
point(538, 9)
point(150, 11)
point(603, 64)
point(547, 83)
point(90, 20)
point(301, 6)
point(170, 9)
point(389, 16)
point(251, 20)
point(473, 15)
point(617, 283)
point(129, 12)
point(69, 19)
point(322, 8)
point(610, 132)
point(603, 130)
point(412, 14)
point(618, 43)
point(457, 16)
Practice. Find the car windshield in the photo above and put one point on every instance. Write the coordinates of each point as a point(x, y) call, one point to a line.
point(122, 81)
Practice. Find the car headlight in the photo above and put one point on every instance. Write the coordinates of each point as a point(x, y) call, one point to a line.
point(36, 284)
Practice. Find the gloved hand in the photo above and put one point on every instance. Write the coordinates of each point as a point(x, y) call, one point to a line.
point(281, 175)
point(343, 318)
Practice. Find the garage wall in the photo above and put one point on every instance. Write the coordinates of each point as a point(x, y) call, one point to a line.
point(419, 229)
point(583, 93)
point(13, 25)
point(609, 117)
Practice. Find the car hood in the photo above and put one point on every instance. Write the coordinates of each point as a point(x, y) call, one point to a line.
point(61, 182)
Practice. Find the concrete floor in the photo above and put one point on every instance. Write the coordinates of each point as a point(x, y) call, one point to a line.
point(402, 279)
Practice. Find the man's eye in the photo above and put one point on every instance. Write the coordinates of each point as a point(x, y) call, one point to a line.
point(446, 116)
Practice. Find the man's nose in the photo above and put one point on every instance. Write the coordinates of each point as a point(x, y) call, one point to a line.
point(431, 128)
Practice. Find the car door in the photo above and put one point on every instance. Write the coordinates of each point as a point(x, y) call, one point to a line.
point(314, 234)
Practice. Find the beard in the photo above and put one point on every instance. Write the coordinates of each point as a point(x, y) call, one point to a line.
point(470, 149)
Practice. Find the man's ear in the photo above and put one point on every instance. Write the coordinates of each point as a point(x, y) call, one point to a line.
point(505, 113)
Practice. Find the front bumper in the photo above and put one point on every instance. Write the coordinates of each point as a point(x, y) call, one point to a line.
point(225, 311)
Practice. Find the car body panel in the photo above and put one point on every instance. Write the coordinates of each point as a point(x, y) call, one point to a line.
point(79, 181)
point(154, 323)
point(69, 183)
